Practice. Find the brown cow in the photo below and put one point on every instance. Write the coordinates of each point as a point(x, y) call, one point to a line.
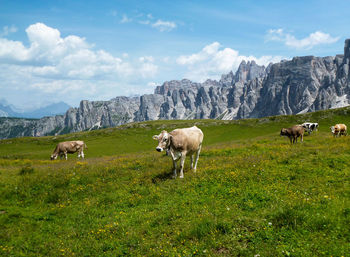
point(63, 148)
point(339, 129)
point(179, 143)
point(293, 133)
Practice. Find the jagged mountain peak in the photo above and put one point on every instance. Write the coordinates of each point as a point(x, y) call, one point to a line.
point(248, 71)
point(227, 79)
point(347, 50)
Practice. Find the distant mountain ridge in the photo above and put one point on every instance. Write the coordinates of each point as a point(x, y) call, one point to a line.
point(7, 110)
point(303, 84)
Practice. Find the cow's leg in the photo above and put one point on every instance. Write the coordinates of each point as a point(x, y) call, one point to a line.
point(78, 154)
point(192, 161)
point(302, 138)
point(182, 163)
point(197, 157)
point(174, 168)
point(82, 154)
point(174, 158)
point(65, 154)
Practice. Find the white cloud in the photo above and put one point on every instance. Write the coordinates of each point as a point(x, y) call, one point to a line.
point(148, 68)
point(146, 59)
point(149, 20)
point(166, 59)
point(52, 64)
point(213, 61)
point(70, 57)
point(125, 19)
point(13, 51)
point(314, 39)
point(164, 25)
point(145, 22)
point(152, 84)
point(6, 30)
point(203, 55)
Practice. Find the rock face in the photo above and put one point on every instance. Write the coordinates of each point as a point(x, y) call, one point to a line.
point(303, 84)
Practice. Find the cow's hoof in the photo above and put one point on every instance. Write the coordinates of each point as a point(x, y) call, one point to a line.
point(181, 177)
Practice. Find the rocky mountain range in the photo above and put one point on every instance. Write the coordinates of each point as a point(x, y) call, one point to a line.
point(303, 84)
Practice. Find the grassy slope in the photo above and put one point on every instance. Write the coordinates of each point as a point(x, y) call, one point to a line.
point(253, 194)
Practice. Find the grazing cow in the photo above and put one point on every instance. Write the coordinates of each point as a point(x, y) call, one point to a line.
point(309, 126)
point(339, 129)
point(63, 148)
point(293, 133)
point(179, 143)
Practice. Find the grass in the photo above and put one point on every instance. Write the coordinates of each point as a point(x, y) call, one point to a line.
point(254, 193)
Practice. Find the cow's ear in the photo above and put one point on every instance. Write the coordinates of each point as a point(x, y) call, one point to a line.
point(155, 137)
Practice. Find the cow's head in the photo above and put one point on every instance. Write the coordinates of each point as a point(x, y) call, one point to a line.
point(53, 157)
point(163, 141)
point(283, 132)
point(332, 129)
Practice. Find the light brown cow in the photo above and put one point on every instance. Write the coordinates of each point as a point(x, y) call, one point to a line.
point(63, 148)
point(293, 133)
point(339, 129)
point(179, 143)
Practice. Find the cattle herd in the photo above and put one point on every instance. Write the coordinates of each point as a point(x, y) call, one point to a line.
point(183, 142)
point(298, 131)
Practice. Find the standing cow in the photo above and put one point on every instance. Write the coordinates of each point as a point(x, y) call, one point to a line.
point(63, 148)
point(179, 143)
point(339, 129)
point(310, 126)
point(293, 133)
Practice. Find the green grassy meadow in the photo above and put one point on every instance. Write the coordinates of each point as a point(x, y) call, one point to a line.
point(254, 194)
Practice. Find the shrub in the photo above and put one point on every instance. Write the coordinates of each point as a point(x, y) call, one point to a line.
point(26, 170)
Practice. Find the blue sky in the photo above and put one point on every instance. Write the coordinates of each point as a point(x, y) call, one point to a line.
point(68, 51)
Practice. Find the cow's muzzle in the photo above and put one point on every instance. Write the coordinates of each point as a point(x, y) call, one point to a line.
point(159, 149)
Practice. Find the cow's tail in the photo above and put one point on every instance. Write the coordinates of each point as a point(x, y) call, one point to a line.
point(85, 146)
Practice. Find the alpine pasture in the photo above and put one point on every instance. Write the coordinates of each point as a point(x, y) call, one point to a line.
point(254, 194)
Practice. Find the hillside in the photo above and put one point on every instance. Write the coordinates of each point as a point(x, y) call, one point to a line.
point(254, 193)
point(303, 84)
